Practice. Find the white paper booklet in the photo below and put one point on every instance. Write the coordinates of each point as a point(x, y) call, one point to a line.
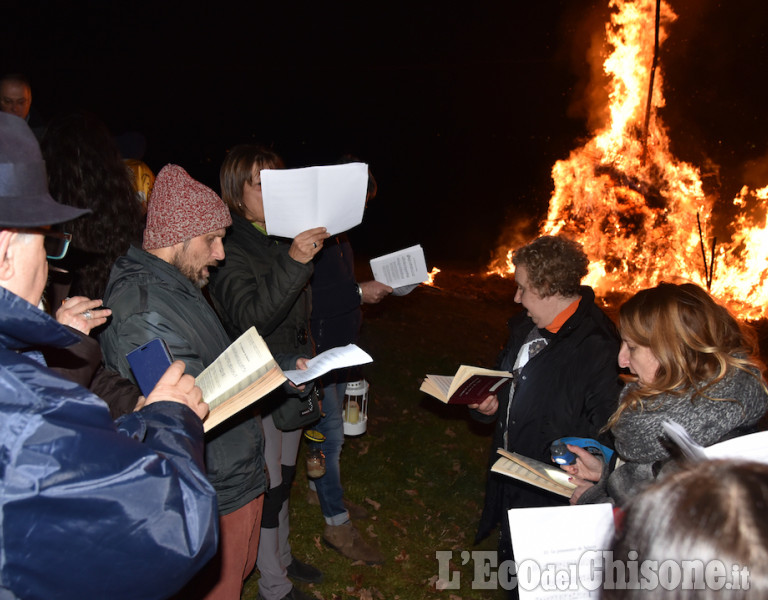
point(403, 270)
point(753, 446)
point(299, 199)
point(557, 547)
point(335, 358)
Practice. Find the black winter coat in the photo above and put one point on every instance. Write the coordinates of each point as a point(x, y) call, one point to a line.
point(258, 284)
point(569, 389)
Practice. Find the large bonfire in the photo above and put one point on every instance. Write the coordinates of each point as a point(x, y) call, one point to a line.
point(641, 214)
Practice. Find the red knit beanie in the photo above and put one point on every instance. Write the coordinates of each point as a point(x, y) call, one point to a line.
point(181, 208)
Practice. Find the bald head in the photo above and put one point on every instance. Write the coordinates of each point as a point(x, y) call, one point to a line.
point(15, 96)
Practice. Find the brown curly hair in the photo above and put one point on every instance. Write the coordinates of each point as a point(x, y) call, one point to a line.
point(555, 265)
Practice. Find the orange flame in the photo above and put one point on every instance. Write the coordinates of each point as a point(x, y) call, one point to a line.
point(432, 274)
point(635, 207)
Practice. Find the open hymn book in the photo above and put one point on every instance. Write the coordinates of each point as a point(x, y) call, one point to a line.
point(542, 475)
point(470, 385)
point(243, 373)
point(246, 371)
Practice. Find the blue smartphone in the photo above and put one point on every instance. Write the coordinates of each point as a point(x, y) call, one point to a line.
point(149, 362)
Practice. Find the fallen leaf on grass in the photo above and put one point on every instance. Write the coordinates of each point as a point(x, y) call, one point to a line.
point(399, 526)
point(317, 541)
point(373, 503)
point(366, 594)
point(369, 531)
point(411, 492)
point(450, 432)
point(403, 556)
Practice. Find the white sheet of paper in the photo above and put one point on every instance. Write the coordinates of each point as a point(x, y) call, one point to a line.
point(402, 270)
point(404, 290)
point(753, 446)
point(335, 358)
point(554, 539)
point(331, 196)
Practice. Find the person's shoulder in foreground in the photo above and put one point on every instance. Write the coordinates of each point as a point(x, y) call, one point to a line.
point(91, 509)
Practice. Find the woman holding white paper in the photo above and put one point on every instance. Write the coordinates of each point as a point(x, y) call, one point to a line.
point(692, 363)
point(263, 282)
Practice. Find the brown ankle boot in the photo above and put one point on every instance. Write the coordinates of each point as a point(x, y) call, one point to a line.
point(356, 512)
point(346, 540)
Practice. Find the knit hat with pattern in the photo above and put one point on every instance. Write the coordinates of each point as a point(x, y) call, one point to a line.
point(181, 208)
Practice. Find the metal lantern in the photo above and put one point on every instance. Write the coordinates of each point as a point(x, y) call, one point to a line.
point(355, 413)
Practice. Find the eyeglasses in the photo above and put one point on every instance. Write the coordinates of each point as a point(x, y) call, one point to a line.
point(56, 243)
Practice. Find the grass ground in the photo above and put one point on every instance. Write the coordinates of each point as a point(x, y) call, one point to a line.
point(420, 468)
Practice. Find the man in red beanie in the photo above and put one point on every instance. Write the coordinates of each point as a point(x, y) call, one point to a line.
point(155, 292)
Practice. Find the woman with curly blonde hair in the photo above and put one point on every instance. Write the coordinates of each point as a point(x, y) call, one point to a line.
point(691, 362)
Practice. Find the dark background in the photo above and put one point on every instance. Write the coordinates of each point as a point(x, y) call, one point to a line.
point(460, 110)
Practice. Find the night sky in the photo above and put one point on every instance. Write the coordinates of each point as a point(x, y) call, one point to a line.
point(460, 111)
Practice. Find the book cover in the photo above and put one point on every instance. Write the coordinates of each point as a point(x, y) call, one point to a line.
point(470, 385)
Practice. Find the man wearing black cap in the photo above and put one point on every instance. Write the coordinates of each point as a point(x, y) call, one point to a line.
point(90, 508)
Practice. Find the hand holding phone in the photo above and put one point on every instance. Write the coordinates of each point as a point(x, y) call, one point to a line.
point(175, 386)
point(149, 362)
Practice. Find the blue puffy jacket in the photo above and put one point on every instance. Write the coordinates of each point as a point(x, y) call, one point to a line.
point(91, 509)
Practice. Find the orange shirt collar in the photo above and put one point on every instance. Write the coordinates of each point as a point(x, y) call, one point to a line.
point(560, 319)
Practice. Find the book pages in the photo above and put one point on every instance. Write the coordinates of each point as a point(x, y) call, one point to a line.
point(244, 362)
point(402, 270)
point(516, 470)
point(437, 386)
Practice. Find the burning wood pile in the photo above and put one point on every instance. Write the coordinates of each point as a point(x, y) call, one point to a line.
point(643, 215)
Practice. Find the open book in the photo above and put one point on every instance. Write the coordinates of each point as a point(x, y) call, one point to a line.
point(542, 475)
point(241, 374)
point(469, 385)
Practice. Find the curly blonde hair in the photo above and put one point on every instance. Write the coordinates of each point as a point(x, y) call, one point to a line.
point(695, 340)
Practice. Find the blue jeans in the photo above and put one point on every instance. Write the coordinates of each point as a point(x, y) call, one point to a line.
point(329, 490)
